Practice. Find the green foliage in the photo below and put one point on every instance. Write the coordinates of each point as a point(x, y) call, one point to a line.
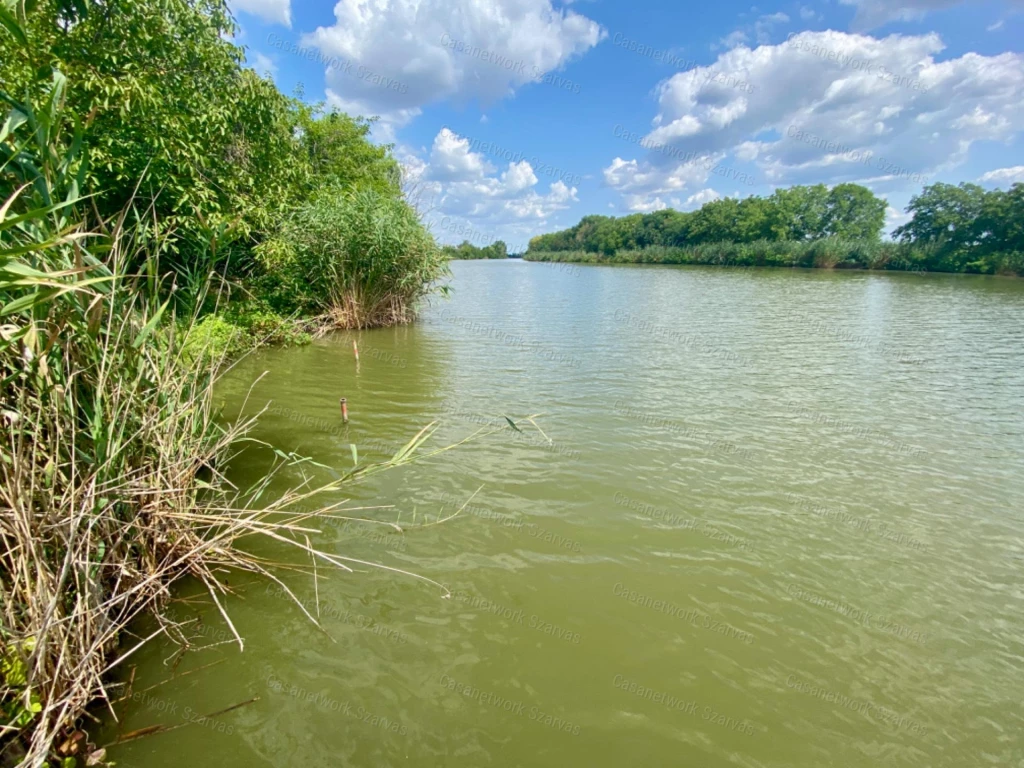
point(212, 156)
point(340, 155)
point(969, 229)
point(823, 253)
point(170, 116)
point(854, 213)
point(848, 211)
point(466, 250)
point(109, 481)
point(19, 704)
point(363, 257)
point(953, 229)
point(241, 327)
point(214, 338)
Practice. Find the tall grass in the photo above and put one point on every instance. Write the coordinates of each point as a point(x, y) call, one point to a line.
point(110, 483)
point(826, 253)
point(110, 450)
point(359, 260)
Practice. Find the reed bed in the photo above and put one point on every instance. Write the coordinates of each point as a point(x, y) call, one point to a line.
point(111, 489)
point(356, 260)
point(111, 467)
point(826, 253)
point(112, 456)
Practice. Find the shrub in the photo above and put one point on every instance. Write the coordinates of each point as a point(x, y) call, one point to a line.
point(362, 259)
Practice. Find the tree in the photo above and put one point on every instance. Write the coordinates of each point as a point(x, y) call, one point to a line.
point(798, 213)
point(944, 214)
point(340, 154)
point(854, 213)
point(715, 221)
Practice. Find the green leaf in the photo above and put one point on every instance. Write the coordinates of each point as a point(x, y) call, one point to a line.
point(148, 327)
point(10, 22)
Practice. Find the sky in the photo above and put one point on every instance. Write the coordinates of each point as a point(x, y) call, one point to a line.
point(512, 118)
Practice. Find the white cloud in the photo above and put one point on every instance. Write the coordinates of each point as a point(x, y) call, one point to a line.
point(397, 56)
point(995, 26)
point(839, 107)
point(761, 30)
point(1004, 176)
point(641, 204)
point(764, 26)
point(697, 199)
point(452, 160)
point(263, 65)
point(875, 13)
point(894, 218)
point(737, 37)
point(273, 11)
point(468, 198)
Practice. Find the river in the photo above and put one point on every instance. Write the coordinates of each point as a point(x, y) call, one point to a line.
point(769, 518)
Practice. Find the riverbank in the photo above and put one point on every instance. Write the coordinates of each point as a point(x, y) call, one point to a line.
point(950, 228)
point(816, 254)
point(134, 271)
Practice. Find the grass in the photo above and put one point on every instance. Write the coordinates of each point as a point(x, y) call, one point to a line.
point(111, 457)
point(355, 260)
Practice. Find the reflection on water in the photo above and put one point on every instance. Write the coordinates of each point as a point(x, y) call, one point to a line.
point(774, 519)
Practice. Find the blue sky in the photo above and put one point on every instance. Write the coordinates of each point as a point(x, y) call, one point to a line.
point(517, 117)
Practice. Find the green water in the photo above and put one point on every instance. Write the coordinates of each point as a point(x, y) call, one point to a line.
point(778, 523)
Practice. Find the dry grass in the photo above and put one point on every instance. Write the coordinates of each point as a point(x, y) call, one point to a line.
point(353, 310)
point(110, 487)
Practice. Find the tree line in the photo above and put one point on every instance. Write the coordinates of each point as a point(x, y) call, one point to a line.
point(952, 228)
point(466, 250)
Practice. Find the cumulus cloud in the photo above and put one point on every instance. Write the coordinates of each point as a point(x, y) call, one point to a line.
point(1004, 176)
point(273, 11)
point(396, 57)
point(467, 198)
point(829, 107)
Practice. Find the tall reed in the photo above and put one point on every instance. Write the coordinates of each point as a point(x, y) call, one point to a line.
point(110, 449)
point(358, 259)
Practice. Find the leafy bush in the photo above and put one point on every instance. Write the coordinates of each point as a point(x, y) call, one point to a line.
point(363, 259)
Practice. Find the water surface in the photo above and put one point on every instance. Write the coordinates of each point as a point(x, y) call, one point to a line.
point(775, 519)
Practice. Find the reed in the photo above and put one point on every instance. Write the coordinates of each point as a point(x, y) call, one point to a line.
point(826, 253)
point(111, 451)
point(111, 487)
point(360, 259)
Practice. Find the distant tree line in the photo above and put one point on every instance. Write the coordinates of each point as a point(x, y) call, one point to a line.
point(952, 228)
point(466, 250)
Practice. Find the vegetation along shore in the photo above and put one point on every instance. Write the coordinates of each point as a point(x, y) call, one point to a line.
point(162, 209)
point(961, 228)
